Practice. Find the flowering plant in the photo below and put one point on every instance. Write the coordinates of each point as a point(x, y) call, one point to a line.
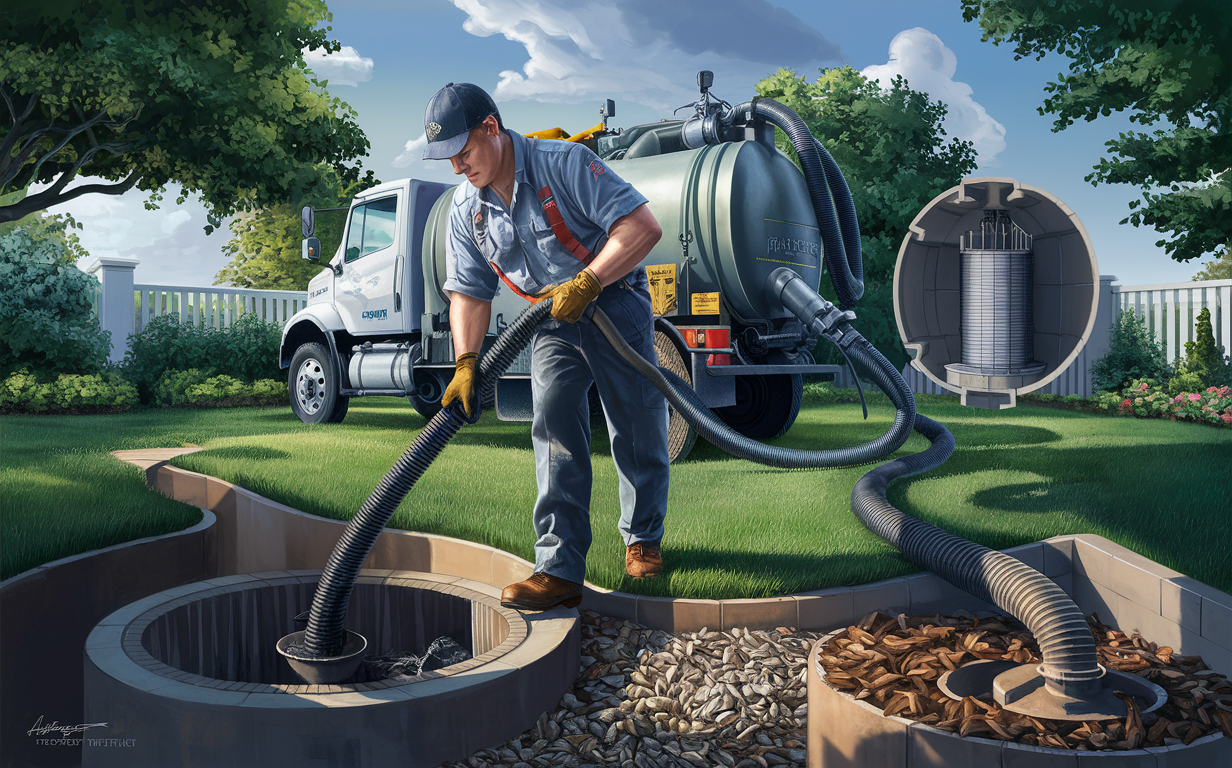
point(1148, 398)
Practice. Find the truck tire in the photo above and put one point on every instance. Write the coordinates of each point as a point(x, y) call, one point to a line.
point(766, 406)
point(313, 383)
point(680, 436)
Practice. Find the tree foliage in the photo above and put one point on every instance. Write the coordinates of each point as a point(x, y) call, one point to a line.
point(47, 320)
point(43, 227)
point(894, 154)
point(1168, 62)
point(215, 97)
point(1219, 269)
point(265, 247)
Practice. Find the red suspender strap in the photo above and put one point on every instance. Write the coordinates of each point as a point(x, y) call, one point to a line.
point(512, 287)
point(559, 228)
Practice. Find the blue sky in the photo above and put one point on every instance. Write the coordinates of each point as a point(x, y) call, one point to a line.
point(551, 62)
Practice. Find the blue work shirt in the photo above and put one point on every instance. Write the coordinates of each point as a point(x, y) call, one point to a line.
point(519, 240)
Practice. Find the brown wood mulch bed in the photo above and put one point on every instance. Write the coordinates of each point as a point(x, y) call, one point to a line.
point(893, 663)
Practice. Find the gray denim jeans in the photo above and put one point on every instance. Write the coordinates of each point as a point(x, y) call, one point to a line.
point(565, 359)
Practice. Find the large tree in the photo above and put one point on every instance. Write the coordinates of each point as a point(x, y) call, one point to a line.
point(265, 248)
point(892, 150)
point(1169, 63)
point(215, 97)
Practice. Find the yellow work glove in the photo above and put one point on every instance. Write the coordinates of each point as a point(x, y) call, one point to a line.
point(570, 299)
point(463, 385)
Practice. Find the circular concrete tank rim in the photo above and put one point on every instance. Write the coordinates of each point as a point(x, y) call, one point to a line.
point(123, 629)
point(1043, 756)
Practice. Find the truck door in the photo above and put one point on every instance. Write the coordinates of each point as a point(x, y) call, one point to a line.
point(371, 256)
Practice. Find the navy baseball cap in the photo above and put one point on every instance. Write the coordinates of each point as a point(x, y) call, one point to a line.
point(451, 114)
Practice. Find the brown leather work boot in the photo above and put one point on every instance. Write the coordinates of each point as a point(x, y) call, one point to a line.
point(541, 592)
point(642, 560)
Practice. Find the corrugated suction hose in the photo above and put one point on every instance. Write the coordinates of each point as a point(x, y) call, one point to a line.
point(325, 634)
point(1065, 640)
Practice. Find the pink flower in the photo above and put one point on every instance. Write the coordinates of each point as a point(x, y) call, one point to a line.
point(1126, 403)
point(1211, 389)
point(1143, 388)
point(1227, 418)
point(1194, 396)
point(1179, 398)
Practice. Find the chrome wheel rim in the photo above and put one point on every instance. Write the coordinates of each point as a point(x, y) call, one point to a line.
point(310, 386)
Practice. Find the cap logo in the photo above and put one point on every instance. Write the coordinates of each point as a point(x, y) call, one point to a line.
point(433, 130)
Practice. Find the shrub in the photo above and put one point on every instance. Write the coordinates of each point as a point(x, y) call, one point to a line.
point(196, 387)
point(1133, 354)
point(247, 350)
point(47, 323)
point(172, 386)
point(225, 391)
point(1204, 364)
point(23, 392)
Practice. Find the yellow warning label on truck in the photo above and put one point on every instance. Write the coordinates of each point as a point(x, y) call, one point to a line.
point(706, 303)
point(662, 288)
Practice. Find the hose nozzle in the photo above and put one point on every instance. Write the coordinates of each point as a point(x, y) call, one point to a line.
point(819, 316)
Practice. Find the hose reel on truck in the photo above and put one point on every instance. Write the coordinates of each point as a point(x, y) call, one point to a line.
point(1069, 683)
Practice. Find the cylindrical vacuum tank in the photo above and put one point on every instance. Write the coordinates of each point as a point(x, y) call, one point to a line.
point(730, 213)
point(997, 328)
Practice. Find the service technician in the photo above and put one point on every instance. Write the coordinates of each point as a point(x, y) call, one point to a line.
point(549, 218)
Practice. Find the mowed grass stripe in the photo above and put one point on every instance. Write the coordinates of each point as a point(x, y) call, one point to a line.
point(733, 529)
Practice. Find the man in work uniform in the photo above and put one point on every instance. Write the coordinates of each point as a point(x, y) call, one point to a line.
point(549, 218)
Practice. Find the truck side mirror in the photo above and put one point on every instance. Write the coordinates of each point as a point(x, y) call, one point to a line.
point(311, 247)
point(307, 220)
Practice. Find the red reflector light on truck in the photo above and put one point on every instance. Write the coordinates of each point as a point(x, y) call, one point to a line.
point(708, 337)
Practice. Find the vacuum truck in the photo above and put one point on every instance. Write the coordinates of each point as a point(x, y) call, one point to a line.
point(732, 208)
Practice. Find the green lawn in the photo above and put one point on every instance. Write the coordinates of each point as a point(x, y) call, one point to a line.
point(733, 529)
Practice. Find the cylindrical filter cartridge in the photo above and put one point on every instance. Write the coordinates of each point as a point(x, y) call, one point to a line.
point(997, 278)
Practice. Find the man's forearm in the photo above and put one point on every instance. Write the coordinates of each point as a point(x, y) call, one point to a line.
point(629, 240)
point(468, 320)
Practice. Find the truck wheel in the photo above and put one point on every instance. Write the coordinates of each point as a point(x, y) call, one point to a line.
point(680, 436)
point(428, 393)
point(313, 382)
point(766, 406)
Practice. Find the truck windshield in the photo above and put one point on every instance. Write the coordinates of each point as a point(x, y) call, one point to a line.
point(372, 227)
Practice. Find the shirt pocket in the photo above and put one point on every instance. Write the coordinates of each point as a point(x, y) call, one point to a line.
point(498, 238)
point(559, 264)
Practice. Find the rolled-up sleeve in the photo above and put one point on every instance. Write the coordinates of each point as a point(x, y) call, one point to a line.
point(600, 195)
point(466, 271)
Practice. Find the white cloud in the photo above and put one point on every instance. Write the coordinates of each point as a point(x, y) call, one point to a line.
point(411, 153)
point(170, 243)
point(927, 65)
point(344, 67)
point(610, 49)
point(173, 221)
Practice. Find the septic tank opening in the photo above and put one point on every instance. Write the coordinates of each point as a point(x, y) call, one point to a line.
point(230, 633)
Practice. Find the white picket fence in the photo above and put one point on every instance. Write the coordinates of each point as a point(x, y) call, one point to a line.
point(215, 306)
point(1171, 311)
point(125, 307)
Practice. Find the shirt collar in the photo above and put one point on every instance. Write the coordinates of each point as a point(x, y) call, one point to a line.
point(520, 149)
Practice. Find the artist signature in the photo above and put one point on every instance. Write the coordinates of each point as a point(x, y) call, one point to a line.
point(39, 729)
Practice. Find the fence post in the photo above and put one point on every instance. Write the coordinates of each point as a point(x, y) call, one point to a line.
point(115, 304)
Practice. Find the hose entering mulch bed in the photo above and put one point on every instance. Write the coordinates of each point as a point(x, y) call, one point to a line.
point(893, 663)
